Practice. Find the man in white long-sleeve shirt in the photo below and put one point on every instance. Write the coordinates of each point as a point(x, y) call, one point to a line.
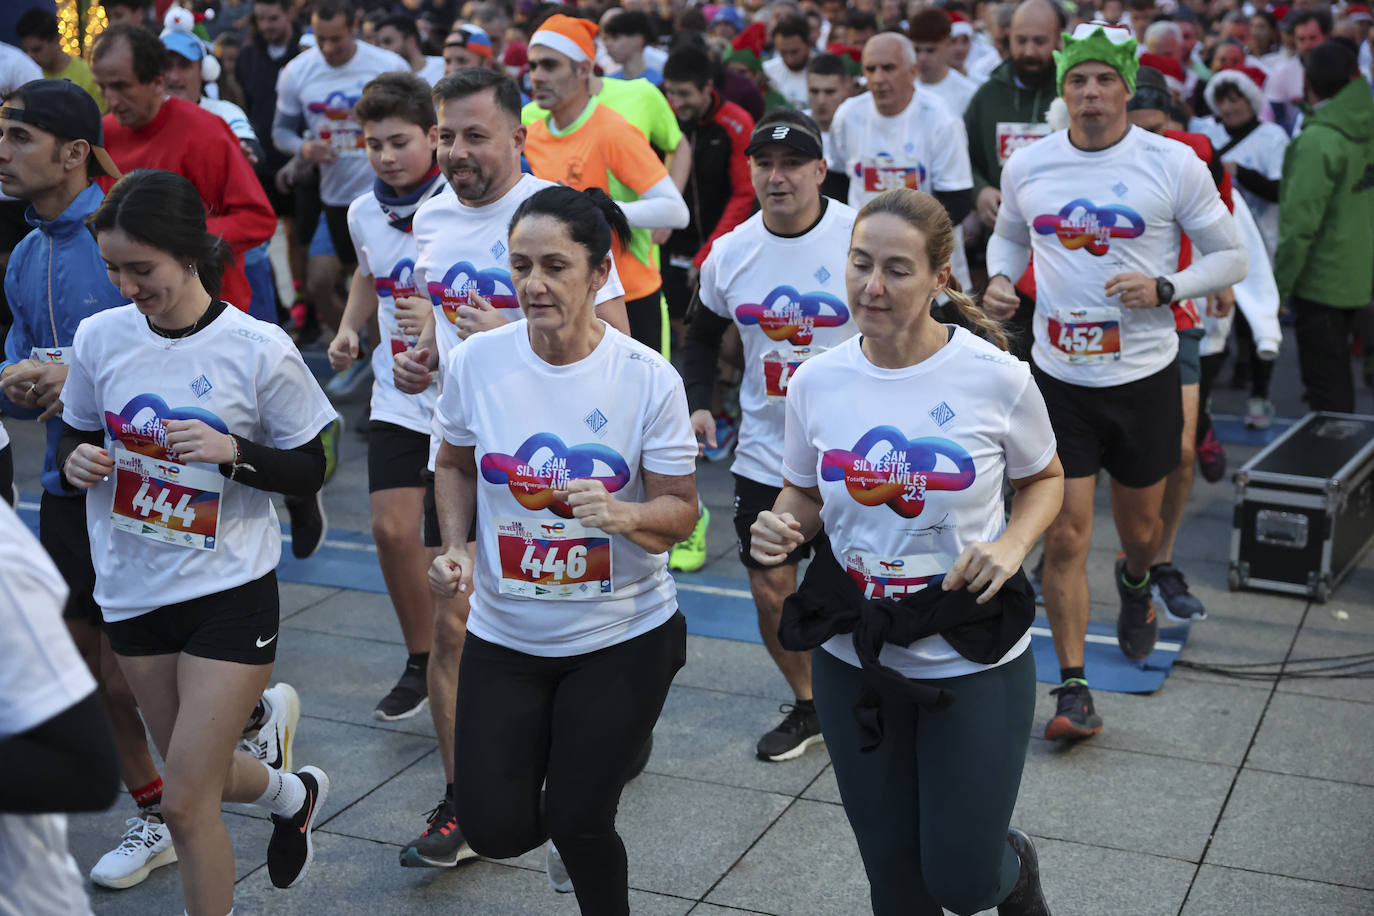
point(1101, 205)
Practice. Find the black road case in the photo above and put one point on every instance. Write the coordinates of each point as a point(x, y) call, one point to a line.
point(1305, 507)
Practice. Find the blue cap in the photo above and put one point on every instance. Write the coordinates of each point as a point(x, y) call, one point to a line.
point(184, 44)
point(731, 15)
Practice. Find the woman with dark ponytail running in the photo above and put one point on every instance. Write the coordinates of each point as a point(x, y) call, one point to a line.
point(182, 415)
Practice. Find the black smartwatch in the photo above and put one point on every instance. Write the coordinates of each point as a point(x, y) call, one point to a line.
point(1164, 291)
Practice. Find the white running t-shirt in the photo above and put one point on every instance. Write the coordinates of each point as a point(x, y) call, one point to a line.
point(546, 585)
point(387, 255)
point(787, 297)
point(910, 465)
point(324, 96)
point(1088, 216)
point(163, 531)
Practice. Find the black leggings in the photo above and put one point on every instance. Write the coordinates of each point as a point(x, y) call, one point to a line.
point(1211, 368)
point(646, 320)
point(571, 725)
point(931, 804)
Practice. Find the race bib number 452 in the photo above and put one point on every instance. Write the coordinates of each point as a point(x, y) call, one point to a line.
point(166, 501)
point(553, 559)
point(1089, 335)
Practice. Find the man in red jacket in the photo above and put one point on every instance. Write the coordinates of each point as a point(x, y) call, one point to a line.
point(148, 129)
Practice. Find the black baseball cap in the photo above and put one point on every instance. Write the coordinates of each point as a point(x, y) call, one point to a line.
point(1151, 92)
point(792, 136)
point(64, 110)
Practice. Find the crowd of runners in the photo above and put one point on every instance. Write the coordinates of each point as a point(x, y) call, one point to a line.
point(923, 272)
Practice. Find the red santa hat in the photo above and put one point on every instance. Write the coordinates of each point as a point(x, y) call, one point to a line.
point(1358, 12)
point(1169, 66)
point(1243, 78)
point(959, 24)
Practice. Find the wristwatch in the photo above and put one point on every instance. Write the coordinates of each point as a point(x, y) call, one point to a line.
point(1164, 291)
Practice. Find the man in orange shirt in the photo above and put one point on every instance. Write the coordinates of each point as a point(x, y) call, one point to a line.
point(583, 144)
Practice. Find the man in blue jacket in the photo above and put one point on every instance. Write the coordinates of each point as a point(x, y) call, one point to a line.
point(50, 150)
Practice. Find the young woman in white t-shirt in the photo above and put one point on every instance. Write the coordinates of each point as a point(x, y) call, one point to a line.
point(573, 442)
point(898, 440)
point(182, 415)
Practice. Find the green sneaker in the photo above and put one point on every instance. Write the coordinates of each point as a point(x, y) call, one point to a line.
point(690, 555)
point(329, 438)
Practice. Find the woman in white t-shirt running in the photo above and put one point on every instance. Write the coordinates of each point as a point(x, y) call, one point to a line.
point(182, 415)
point(573, 442)
point(898, 440)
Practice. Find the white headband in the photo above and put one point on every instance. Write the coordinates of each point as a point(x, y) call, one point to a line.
point(548, 38)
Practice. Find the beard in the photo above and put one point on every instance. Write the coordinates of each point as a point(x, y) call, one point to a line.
point(1033, 71)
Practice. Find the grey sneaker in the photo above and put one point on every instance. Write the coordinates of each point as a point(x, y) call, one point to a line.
point(556, 870)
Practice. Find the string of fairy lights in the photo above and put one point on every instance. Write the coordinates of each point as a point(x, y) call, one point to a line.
point(78, 23)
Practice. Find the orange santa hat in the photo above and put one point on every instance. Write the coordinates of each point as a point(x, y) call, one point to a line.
point(567, 35)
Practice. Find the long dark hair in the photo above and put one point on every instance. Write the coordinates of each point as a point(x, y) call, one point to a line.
point(591, 217)
point(164, 210)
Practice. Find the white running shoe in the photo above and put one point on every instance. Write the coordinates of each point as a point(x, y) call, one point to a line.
point(559, 879)
point(1259, 413)
point(146, 845)
point(272, 743)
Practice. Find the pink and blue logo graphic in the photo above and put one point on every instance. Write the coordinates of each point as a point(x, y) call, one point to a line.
point(492, 284)
point(884, 467)
point(337, 106)
point(786, 314)
point(138, 427)
point(539, 472)
point(400, 283)
point(1081, 225)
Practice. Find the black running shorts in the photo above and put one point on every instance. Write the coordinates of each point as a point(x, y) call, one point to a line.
point(751, 498)
point(396, 456)
point(1133, 431)
point(236, 625)
point(63, 534)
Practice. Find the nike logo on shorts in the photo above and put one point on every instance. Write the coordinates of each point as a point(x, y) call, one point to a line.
point(262, 642)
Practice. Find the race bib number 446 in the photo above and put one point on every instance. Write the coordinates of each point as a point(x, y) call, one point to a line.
point(166, 501)
point(553, 559)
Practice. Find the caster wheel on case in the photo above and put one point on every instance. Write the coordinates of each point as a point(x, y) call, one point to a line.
point(1233, 580)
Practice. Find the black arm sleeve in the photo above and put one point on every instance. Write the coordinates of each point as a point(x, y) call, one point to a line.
point(71, 438)
point(699, 354)
point(65, 764)
point(295, 472)
point(1257, 184)
point(958, 204)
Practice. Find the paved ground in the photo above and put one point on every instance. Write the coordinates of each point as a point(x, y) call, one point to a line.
point(1212, 796)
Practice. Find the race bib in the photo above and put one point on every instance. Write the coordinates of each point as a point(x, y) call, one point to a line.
point(1012, 136)
point(780, 365)
point(345, 138)
point(61, 355)
point(885, 175)
point(166, 501)
point(553, 559)
point(893, 577)
point(1086, 335)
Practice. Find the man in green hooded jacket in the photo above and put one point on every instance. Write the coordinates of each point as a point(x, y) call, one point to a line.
point(1324, 265)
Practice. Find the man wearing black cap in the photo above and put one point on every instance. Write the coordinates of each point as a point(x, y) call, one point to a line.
point(779, 276)
point(1325, 256)
point(51, 149)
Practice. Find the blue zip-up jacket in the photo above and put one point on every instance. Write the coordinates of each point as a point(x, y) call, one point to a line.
point(62, 257)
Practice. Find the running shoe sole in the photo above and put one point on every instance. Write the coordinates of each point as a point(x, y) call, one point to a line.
point(411, 858)
point(413, 711)
point(1060, 729)
point(293, 718)
point(795, 752)
point(168, 856)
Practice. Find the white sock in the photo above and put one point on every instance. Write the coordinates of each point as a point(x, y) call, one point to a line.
point(285, 793)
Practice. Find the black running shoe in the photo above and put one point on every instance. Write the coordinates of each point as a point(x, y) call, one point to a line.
point(407, 698)
point(1075, 716)
point(642, 758)
point(798, 730)
point(308, 524)
point(1137, 627)
point(441, 845)
point(290, 851)
point(1168, 585)
point(1026, 897)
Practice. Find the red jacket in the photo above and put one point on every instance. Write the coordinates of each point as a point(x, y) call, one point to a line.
point(1186, 315)
point(719, 193)
point(198, 145)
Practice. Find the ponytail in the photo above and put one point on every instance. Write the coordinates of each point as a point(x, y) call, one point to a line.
point(972, 317)
point(590, 216)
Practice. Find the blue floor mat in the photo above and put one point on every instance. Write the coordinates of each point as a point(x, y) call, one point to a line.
point(721, 607)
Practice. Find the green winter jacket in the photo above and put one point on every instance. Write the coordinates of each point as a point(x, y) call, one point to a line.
point(1000, 100)
point(1326, 204)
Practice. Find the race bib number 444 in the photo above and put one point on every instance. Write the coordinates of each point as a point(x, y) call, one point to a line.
point(553, 559)
point(166, 501)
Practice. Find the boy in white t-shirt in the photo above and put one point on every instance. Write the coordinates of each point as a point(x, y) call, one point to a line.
point(397, 120)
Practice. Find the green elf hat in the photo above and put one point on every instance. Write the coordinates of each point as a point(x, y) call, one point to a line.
point(1100, 41)
point(747, 48)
